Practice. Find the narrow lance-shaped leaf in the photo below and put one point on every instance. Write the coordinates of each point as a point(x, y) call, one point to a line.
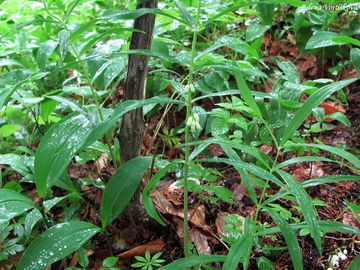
point(57, 148)
point(185, 263)
point(56, 243)
point(246, 94)
point(187, 17)
point(121, 110)
point(146, 199)
point(336, 151)
point(326, 226)
point(44, 53)
point(6, 94)
point(243, 174)
point(121, 188)
point(237, 252)
point(13, 204)
point(290, 238)
point(315, 182)
point(307, 209)
point(312, 102)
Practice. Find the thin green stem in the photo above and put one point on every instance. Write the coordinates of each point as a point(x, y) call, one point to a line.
point(188, 135)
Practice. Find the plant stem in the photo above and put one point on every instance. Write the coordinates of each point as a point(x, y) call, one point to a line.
point(187, 134)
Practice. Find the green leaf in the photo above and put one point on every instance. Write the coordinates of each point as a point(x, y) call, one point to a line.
point(122, 109)
point(290, 71)
point(237, 252)
point(44, 53)
point(354, 208)
point(354, 265)
point(340, 117)
point(346, 40)
point(290, 238)
point(327, 226)
point(266, 12)
point(4, 62)
point(260, 172)
point(187, 17)
point(110, 261)
point(70, 10)
point(191, 261)
point(315, 182)
point(246, 94)
point(56, 243)
point(6, 94)
point(68, 103)
point(146, 199)
point(57, 148)
point(307, 209)
point(303, 159)
point(355, 59)
point(13, 204)
point(336, 151)
point(255, 31)
point(322, 39)
point(21, 164)
point(245, 178)
point(121, 187)
point(30, 220)
point(312, 102)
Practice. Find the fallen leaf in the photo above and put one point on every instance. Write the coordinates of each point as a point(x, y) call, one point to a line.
point(350, 219)
point(200, 241)
point(152, 246)
point(196, 215)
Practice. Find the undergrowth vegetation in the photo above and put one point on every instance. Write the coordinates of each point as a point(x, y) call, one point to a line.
point(233, 94)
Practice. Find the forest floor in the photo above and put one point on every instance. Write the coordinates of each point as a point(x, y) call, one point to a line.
point(128, 240)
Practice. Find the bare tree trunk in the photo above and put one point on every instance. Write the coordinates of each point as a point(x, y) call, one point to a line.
point(132, 127)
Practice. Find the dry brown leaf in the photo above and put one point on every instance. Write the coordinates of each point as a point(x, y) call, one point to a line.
point(350, 219)
point(152, 246)
point(315, 170)
point(196, 215)
point(200, 241)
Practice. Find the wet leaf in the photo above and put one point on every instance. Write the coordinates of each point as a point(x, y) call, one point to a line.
point(56, 243)
point(13, 204)
point(57, 148)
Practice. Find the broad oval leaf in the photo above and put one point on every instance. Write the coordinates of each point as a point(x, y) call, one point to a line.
point(290, 238)
point(312, 102)
point(121, 187)
point(322, 39)
point(13, 204)
point(57, 148)
point(191, 261)
point(56, 243)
